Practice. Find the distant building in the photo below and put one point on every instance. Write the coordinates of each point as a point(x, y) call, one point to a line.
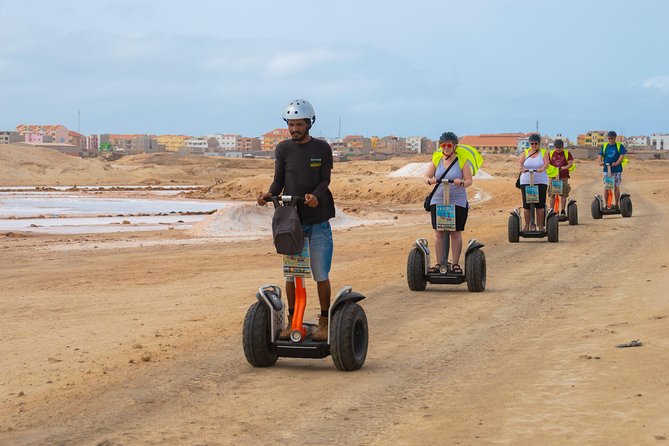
point(10, 137)
point(637, 141)
point(274, 137)
point(659, 141)
point(201, 146)
point(132, 144)
point(419, 144)
point(172, 143)
point(497, 142)
point(37, 138)
point(595, 138)
point(58, 133)
point(245, 144)
point(357, 143)
point(77, 139)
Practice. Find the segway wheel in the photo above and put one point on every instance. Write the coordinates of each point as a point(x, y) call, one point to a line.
point(348, 337)
point(514, 229)
point(416, 270)
point(256, 337)
point(475, 270)
point(572, 214)
point(552, 226)
point(626, 206)
point(595, 210)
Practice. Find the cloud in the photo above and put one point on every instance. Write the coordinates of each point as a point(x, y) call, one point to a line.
point(294, 62)
point(660, 83)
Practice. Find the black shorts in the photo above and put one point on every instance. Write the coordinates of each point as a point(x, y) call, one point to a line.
point(460, 217)
point(542, 196)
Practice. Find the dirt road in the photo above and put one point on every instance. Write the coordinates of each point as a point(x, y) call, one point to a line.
point(143, 345)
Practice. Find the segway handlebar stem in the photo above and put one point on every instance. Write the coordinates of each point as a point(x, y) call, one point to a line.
point(286, 200)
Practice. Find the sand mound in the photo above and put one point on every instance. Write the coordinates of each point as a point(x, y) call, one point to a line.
point(418, 169)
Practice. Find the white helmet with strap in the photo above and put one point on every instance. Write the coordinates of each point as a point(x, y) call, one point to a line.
point(299, 109)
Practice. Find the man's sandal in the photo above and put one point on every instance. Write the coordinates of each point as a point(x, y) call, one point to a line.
point(456, 268)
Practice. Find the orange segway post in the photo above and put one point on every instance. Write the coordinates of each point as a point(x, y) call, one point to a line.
point(297, 329)
point(609, 192)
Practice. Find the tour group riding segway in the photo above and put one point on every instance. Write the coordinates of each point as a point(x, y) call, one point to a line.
point(601, 206)
point(557, 187)
point(550, 219)
point(418, 263)
point(265, 319)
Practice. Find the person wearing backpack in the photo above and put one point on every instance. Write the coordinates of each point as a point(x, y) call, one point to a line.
point(457, 162)
point(561, 162)
point(613, 153)
point(303, 166)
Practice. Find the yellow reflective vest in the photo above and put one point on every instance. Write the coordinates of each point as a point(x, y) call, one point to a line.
point(618, 144)
point(464, 153)
point(553, 171)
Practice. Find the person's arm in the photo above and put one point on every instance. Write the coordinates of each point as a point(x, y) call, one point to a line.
point(570, 162)
point(467, 177)
point(429, 174)
point(621, 156)
point(279, 173)
point(325, 173)
point(521, 162)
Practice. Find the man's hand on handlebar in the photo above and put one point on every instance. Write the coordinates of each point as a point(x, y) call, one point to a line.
point(260, 198)
point(310, 200)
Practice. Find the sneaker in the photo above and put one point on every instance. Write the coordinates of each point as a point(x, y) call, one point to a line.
point(321, 334)
point(285, 333)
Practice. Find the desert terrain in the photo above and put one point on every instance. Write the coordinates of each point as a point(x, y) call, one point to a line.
point(135, 338)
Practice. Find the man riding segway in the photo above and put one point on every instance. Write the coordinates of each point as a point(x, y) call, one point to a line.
point(303, 166)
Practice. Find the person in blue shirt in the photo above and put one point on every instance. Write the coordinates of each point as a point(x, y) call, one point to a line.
point(613, 153)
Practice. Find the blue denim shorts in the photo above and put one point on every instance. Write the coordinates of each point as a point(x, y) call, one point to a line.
point(321, 247)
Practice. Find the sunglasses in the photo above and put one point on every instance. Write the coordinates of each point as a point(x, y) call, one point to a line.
point(449, 145)
point(534, 143)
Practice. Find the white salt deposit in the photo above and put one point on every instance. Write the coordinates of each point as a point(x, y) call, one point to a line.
point(417, 170)
point(247, 220)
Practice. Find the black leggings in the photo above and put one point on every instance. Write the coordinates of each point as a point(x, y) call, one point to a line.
point(542, 196)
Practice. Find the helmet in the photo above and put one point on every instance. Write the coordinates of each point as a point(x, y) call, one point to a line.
point(448, 136)
point(611, 134)
point(535, 137)
point(558, 143)
point(299, 109)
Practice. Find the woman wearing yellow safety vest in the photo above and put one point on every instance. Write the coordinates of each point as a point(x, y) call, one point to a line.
point(561, 162)
point(534, 158)
point(460, 163)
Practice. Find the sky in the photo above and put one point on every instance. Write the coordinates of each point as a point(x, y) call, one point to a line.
point(406, 68)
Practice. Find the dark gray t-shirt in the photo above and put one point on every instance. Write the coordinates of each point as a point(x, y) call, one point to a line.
point(301, 169)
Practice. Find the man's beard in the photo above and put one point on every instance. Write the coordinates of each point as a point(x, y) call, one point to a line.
point(299, 136)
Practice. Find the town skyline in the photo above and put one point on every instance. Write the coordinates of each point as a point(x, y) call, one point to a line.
point(480, 67)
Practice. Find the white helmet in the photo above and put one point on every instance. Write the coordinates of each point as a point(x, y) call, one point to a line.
point(299, 109)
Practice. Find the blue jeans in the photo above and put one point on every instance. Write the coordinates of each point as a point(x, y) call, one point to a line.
point(321, 247)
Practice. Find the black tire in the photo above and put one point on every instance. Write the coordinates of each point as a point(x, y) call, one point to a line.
point(475, 270)
point(626, 206)
point(348, 337)
point(572, 214)
point(416, 270)
point(514, 228)
point(256, 337)
point(552, 226)
point(594, 209)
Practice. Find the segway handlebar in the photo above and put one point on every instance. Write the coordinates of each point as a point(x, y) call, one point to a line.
point(531, 170)
point(286, 200)
point(445, 181)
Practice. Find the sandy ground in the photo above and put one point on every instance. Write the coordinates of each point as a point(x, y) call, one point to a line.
point(135, 338)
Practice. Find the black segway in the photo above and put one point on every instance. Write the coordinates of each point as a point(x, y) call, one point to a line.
point(601, 206)
point(418, 262)
point(266, 318)
point(550, 219)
